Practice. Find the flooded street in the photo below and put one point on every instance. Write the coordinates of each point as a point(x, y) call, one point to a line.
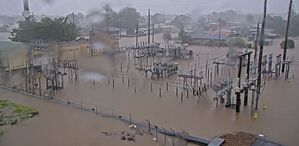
point(128, 92)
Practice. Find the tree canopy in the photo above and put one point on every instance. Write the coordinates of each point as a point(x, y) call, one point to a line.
point(184, 37)
point(236, 42)
point(278, 25)
point(57, 29)
point(126, 18)
point(180, 20)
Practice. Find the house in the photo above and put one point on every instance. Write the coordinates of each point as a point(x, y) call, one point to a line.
point(190, 27)
point(71, 50)
point(103, 42)
point(15, 55)
point(207, 38)
point(269, 36)
point(117, 32)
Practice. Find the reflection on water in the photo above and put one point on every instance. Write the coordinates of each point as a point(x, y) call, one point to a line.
point(92, 77)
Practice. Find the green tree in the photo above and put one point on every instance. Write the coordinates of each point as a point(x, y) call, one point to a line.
point(180, 20)
point(57, 29)
point(290, 45)
point(166, 36)
point(236, 42)
point(277, 24)
point(184, 37)
point(294, 31)
point(128, 18)
point(158, 18)
point(109, 13)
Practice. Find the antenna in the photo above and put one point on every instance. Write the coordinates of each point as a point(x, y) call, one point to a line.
point(26, 12)
point(26, 5)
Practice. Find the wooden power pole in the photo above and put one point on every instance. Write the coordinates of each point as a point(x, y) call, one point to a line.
point(219, 39)
point(286, 37)
point(137, 33)
point(256, 40)
point(259, 77)
point(149, 28)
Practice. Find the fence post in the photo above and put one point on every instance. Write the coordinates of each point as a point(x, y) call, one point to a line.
point(166, 86)
point(176, 91)
point(128, 82)
point(40, 86)
point(156, 127)
point(130, 116)
point(96, 109)
point(160, 92)
point(149, 125)
point(123, 79)
point(164, 136)
point(113, 82)
point(151, 87)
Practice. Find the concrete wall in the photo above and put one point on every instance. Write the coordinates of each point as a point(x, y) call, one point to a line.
point(73, 51)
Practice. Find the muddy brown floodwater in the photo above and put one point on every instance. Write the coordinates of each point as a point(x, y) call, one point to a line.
point(58, 125)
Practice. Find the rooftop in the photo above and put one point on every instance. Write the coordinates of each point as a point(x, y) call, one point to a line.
point(207, 36)
point(12, 46)
point(7, 49)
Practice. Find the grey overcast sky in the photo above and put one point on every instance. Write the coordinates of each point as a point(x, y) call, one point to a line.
point(61, 7)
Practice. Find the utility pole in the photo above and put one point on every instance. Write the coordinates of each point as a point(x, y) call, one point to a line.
point(73, 15)
point(153, 34)
point(286, 36)
point(259, 77)
point(107, 19)
point(256, 40)
point(137, 33)
point(91, 36)
point(219, 41)
point(149, 27)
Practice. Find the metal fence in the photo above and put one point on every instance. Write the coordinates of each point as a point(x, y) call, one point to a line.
point(147, 126)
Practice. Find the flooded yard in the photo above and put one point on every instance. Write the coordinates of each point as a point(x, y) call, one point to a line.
point(129, 92)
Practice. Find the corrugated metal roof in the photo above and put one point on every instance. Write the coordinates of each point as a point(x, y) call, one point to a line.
point(207, 36)
point(10, 46)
